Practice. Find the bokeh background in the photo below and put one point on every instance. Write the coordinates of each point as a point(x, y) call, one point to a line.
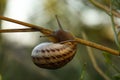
point(76, 16)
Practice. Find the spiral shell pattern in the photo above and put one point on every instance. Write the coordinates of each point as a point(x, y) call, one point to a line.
point(53, 55)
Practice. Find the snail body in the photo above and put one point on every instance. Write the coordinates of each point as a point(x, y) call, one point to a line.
point(54, 55)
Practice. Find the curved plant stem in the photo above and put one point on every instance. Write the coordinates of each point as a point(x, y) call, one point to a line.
point(18, 30)
point(105, 8)
point(95, 65)
point(113, 26)
point(115, 33)
point(41, 29)
point(48, 32)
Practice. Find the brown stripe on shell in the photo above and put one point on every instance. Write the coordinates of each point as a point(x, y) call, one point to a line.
point(48, 50)
point(43, 51)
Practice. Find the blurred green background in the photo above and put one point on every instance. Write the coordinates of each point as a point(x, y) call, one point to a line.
point(76, 16)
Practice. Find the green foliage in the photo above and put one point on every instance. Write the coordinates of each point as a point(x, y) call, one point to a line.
point(2, 6)
point(116, 77)
point(107, 57)
point(0, 77)
point(2, 9)
point(113, 26)
point(83, 72)
point(116, 4)
point(110, 64)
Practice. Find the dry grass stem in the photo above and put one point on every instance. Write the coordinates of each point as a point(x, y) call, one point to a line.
point(48, 32)
point(93, 60)
point(105, 8)
point(97, 46)
point(41, 29)
point(18, 30)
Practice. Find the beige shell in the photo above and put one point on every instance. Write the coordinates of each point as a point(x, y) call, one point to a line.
point(53, 55)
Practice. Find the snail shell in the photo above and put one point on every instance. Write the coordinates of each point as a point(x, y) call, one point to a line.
point(53, 55)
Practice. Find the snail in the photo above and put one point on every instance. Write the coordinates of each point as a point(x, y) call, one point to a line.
point(54, 55)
